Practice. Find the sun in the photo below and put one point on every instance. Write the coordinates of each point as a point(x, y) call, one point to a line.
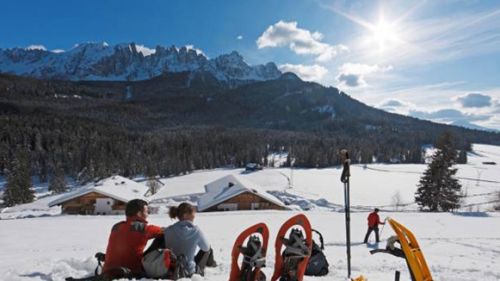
point(384, 33)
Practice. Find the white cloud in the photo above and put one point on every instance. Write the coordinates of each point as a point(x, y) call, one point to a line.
point(301, 41)
point(363, 69)
point(449, 115)
point(305, 72)
point(446, 115)
point(415, 102)
point(392, 103)
point(58, 51)
point(36, 47)
point(353, 75)
point(398, 106)
point(239, 37)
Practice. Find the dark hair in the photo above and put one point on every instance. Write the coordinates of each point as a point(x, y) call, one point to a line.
point(134, 206)
point(376, 210)
point(181, 210)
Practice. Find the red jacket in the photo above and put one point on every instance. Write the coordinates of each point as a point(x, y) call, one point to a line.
point(127, 242)
point(373, 219)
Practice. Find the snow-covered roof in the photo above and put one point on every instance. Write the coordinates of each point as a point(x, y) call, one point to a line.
point(228, 187)
point(116, 187)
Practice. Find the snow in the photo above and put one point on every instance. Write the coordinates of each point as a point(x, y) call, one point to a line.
point(145, 50)
point(198, 51)
point(228, 187)
point(458, 246)
point(36, 47)
point(451, 252)
point(375, 185)
point(372, 185)
point(100, 61)
point(116, 187)
point(326, 109)
point(38, 208)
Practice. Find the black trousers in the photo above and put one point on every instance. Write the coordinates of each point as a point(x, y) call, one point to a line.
point(370, 229)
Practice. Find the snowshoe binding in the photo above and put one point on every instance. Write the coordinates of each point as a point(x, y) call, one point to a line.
point(291, 263)
point(254, 254)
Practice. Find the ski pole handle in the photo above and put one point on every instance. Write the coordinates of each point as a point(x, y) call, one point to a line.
point(346, 161)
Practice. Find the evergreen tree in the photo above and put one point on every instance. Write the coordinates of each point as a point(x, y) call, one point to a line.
point(438, 189)
point(58, 183)
point(18, 187)
point(462, 157)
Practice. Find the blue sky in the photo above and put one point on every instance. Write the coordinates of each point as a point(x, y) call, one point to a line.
point(438, 60)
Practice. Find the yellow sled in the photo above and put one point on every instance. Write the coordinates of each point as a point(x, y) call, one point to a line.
point(410, 251)
point(413, 254)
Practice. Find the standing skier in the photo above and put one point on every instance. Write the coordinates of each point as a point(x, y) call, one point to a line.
point(373, 222)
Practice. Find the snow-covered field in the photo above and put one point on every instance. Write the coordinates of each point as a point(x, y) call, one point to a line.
point(371, 185)
point(461, 246)
point(457, 247)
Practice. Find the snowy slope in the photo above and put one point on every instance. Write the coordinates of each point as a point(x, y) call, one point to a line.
point(457, 248)
point(128, 61)
point(374, 185)
point(371, 185)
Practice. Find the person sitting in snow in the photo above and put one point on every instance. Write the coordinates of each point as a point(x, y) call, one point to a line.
point(183, 238)
point(391, 247)
point(127, 242)
point(373, 222)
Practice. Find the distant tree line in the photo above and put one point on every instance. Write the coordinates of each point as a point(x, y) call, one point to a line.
point(53, 129)
point(87, 150)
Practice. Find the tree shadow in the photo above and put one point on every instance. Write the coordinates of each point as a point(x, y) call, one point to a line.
point(472, 214)
point(43, 276)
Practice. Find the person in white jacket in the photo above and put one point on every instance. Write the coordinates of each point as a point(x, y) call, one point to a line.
point(185, 238)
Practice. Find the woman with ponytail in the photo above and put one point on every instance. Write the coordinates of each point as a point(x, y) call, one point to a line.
point(183, 238)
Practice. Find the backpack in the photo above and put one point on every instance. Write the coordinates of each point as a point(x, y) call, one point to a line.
point(317, 264)
point(158, 263)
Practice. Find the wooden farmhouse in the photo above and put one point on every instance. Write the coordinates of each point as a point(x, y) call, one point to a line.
point(107, 196)
point(232, 193)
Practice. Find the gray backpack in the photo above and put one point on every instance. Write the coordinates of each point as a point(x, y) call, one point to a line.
point(158, 263)
point(163, 263)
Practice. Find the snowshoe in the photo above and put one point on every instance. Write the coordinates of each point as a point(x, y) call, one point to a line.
point(254, 254)
point(291, 263)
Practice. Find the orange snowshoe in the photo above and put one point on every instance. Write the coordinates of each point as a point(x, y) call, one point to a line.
point(254, 254)
point(291, 263)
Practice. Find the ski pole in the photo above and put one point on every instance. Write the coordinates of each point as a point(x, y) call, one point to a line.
point(344, 178)
point(382, 230)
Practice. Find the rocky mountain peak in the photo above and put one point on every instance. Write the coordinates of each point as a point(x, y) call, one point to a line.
point(128, 61)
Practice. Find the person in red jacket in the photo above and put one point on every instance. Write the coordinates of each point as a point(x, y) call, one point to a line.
point(373, 222)
point(128, 239)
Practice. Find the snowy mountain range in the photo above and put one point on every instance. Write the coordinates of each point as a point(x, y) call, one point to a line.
point(127, 62)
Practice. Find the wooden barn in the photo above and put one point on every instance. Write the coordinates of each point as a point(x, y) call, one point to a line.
point(232, 193)
point(105, 197)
